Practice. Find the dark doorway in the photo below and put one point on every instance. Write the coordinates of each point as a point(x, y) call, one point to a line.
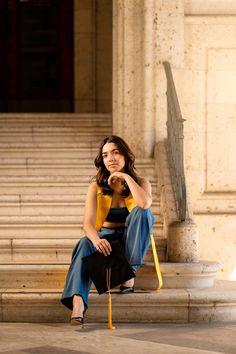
point(36, 55)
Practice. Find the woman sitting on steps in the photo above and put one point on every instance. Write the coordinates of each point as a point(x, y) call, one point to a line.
point(117, 204)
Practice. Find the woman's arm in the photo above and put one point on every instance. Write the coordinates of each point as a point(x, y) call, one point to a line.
point(89, 221)
point(142, 192)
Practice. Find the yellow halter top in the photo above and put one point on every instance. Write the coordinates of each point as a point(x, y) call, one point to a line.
point(104, 204)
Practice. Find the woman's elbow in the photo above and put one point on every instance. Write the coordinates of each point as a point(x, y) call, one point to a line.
point(146, 204)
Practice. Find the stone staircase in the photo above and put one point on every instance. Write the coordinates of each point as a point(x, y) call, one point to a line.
point(46, 165)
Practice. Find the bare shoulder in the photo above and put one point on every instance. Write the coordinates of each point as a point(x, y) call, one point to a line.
point(92, 188)
point(93, 185)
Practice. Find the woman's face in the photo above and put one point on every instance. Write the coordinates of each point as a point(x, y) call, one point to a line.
point(112, 158)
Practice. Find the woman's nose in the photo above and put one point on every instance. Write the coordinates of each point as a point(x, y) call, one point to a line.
point(111, 157)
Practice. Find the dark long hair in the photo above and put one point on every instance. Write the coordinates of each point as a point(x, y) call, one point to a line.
point(129, 168)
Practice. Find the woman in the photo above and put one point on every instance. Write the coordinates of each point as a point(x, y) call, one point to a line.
point(117, 205)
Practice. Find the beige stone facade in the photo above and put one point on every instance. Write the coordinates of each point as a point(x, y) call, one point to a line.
point(208, 103)
point(198, 39)
point(145, 33)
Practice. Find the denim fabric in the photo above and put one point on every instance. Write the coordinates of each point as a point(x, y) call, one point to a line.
point(134, 237)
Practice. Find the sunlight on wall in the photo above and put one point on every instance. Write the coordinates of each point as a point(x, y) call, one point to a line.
point(233, 274)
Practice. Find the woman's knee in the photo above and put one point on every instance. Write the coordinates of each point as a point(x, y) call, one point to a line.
point(144, 213)
point(83, 246)
point(84, 242)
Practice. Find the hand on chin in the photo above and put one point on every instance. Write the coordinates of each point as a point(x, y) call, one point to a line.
point(115, 177)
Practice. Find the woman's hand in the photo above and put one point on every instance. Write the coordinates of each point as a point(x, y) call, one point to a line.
point(116, 177)
point(141, 191)
point(103, 246)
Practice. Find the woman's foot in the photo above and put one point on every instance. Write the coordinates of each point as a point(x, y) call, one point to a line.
point(129, 283)
point(127, 287)
point(77, 316)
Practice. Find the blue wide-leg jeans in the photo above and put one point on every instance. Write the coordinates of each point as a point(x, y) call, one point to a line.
point(135, 241)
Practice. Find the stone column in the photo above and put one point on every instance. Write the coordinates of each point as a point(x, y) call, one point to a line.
point(134, 74)
point(145, 33)
point(183, 242)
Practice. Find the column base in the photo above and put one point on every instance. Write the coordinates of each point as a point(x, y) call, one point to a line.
point(197, 275)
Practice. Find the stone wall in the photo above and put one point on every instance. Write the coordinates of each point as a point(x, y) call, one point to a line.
point(93, 56)
point(208, 100)
point(145, 33)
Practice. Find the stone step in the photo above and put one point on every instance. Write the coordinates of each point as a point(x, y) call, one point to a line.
point(46, 121)
point(88, 136)
point(47, 170)
point(56, 190)
point(50, 185)
point(73, 220)
point(60, 170)
point(44, 118)
point(45, 180)
point(76, 126)
point(50, 199)
point(33, 152)
point(167, 305)
point(42, 199)
point(45, 188)
point(62, 209)
point(85, 150)
point(71, 166)
point(83, 128)
point(80, 130)
point(83, 161)
point(48, 226)
point(51, 180)
point(49, 208)
point(54, 250)
point(12, 145)
point(50, 188)
point(44, 276)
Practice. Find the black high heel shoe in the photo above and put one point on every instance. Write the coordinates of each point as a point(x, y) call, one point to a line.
point(126, 289)
point(76, 321)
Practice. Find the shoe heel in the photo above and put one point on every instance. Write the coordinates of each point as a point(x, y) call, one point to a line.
point(76, 321)
point(126, 289)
